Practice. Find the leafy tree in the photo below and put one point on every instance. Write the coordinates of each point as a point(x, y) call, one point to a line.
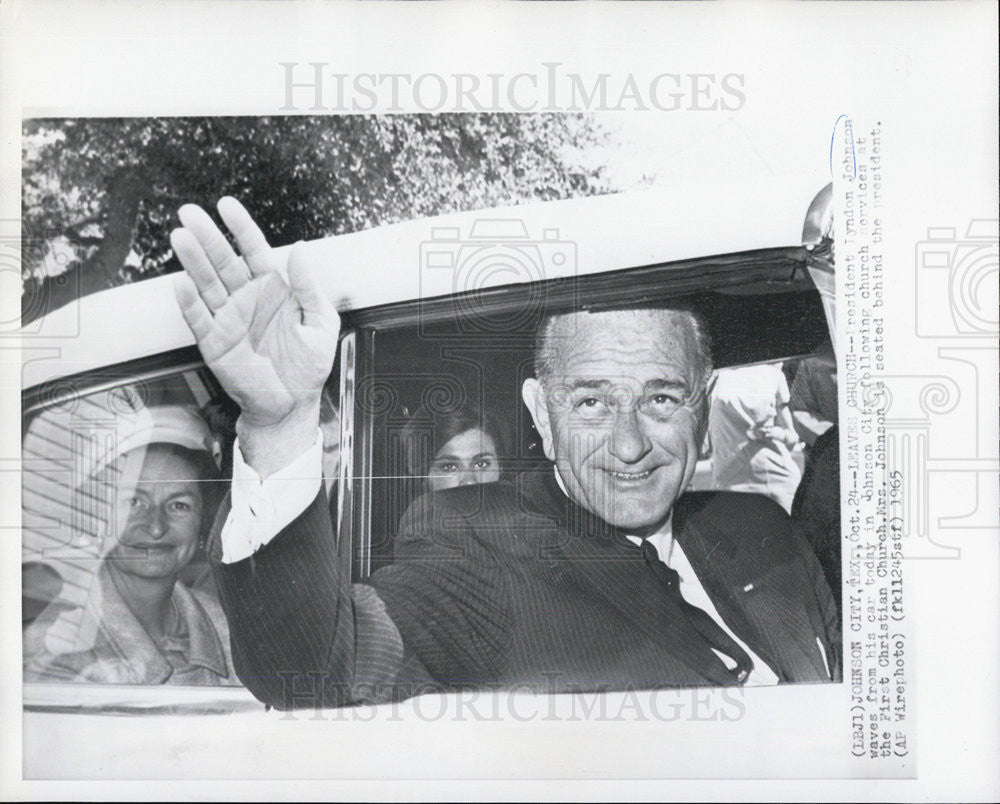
point(109, 188)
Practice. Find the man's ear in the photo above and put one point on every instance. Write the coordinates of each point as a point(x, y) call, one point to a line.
point(702, 414)
point(534, 399)
point(704, 408)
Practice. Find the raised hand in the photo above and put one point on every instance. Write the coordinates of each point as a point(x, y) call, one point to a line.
point(271, 344)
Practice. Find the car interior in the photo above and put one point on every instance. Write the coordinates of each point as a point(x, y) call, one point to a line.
point(441, 364)
point(437, 354)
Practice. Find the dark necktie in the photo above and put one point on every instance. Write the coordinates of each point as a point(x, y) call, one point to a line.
point(715, 636)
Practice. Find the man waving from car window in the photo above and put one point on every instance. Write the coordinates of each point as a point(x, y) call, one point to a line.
point(597, 574)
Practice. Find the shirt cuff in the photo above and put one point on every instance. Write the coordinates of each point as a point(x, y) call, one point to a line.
point(261, 509)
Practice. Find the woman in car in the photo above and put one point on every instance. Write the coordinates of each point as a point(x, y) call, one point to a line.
point(139, 623)
point(457, 448)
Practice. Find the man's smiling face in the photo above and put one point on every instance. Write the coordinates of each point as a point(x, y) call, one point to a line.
point(622, 412)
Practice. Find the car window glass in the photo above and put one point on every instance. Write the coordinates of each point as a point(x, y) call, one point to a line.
point(756, 440)
point(120, 486)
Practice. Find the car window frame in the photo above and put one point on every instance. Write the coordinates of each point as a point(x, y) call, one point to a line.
point(783, 269)
point(139, 699)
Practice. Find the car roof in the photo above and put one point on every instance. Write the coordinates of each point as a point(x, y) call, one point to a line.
point(439, 256)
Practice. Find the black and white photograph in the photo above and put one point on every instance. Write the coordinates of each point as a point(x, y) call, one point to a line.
point(520, 419)
point(551, 434)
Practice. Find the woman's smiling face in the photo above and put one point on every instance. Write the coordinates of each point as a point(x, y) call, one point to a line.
point(158, 515)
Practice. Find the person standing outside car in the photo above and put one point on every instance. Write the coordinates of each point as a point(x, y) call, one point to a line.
point(816, 506)
point(598, 570)
point(753, 435)
point(813, 398)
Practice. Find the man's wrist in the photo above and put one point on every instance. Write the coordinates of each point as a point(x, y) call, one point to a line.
point(266, 449)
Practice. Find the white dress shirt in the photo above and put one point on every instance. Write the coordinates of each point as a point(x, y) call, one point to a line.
point(693, 592)
point(262, 509)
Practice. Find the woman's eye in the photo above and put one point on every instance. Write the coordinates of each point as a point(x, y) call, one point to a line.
point(448, 467)
point(484, 464)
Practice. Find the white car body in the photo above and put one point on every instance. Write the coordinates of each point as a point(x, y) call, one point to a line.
point(192, 733)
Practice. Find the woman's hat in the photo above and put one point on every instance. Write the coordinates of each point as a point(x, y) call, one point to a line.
point(166, 424)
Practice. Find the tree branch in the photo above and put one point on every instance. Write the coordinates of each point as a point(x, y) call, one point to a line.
point(82, 240)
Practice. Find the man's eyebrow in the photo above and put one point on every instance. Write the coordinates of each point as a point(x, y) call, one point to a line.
point(664, 383)
point(588, 385)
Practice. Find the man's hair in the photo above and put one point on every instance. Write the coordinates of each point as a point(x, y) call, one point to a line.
point(546, 348)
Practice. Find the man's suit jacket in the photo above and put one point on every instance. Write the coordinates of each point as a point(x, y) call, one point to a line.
point(494, 585)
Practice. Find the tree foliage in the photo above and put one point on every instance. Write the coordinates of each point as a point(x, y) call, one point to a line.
point(110, 188)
